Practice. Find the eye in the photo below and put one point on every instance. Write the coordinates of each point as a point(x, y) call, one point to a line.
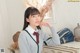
point(33, 16)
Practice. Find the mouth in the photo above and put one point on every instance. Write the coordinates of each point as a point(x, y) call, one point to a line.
point(37, 22)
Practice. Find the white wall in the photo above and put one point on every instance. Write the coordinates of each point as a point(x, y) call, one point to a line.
point(66, 14)
point(4, 26)
point(16, 14)
point(11, 20)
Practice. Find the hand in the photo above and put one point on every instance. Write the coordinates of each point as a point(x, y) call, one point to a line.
point(45, 24)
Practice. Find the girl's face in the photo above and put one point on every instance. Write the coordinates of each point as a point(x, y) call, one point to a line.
point(34, 20)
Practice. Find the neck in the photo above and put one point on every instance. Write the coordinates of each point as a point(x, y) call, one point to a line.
point(34, 27)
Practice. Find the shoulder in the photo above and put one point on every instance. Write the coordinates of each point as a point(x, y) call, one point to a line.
point(23, 33)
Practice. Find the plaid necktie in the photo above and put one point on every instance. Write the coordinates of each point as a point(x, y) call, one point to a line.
point(37, 36)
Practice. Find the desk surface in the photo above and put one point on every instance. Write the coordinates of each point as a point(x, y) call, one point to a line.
point(72, 44)
point(72, 47)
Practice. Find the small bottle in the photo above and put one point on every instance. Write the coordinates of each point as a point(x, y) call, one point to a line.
point(77, 32)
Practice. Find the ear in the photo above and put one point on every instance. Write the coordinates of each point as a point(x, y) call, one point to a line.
point(27, 19)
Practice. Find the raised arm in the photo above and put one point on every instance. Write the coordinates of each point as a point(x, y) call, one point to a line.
point(54, 38)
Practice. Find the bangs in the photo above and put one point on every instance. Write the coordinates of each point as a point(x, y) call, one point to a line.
point(34, 11)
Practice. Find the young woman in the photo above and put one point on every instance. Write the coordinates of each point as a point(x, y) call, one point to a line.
point(28, 41)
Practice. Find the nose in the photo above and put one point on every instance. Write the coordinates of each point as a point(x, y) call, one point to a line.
point(38, 18)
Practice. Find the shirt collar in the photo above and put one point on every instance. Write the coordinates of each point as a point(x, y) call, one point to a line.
point(31, 30)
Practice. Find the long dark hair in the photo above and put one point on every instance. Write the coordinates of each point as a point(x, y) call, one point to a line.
point(30, 11)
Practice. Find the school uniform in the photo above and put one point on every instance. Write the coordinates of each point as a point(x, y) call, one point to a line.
point(27, 41)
